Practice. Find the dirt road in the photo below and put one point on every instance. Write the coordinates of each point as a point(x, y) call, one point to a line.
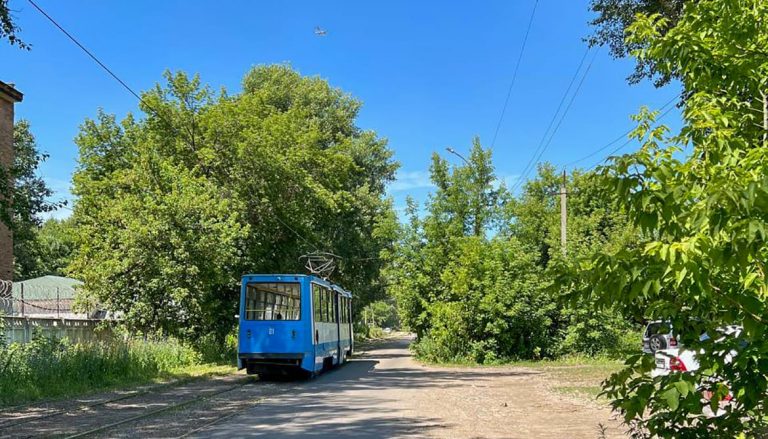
point(383, 393)
point(386, 394)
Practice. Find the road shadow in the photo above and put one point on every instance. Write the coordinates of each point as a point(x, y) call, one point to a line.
point(330, 407)
point(356, 400)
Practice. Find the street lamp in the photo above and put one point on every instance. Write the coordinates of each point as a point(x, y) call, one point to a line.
point(454, 152)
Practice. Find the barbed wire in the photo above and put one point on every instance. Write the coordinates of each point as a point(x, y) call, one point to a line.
point(20, 299)
point(13, 305)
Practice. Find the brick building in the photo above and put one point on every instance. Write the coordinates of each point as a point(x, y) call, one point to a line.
point(9, 96)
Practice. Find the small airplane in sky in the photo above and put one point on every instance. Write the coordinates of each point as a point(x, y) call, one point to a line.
point(320, 32)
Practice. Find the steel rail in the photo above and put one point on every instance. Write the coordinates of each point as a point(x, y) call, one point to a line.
point(153, 412)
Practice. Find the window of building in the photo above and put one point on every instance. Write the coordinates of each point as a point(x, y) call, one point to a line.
point(273, 301)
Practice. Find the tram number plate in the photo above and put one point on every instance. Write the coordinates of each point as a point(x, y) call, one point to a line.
point(271, 331)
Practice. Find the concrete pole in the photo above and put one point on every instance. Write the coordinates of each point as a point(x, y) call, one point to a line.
point(563, 215)
point(765, 118)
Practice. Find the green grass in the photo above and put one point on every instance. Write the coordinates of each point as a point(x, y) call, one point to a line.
point(581, 379)
point(53, 369)
point(595, 362)
point(577, 376)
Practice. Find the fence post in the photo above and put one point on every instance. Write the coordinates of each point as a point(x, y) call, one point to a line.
point(58, 304)
point(22, 299)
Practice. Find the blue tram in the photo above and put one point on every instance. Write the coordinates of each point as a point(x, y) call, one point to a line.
point(293, 323)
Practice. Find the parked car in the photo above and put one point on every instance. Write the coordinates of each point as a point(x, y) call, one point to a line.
point(685, 360)
point(658, 335)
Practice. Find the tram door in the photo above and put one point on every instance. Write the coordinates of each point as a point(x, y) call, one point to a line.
point(349, 322)
point(337, 311)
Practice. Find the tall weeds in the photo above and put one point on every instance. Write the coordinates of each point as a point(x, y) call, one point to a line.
point(49, 367)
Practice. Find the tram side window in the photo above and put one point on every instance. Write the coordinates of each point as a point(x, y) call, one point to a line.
point(334, 308)
point(273, 301)
point(327, 307)
point(322, 300)
point(347, 309)
point(317, 302)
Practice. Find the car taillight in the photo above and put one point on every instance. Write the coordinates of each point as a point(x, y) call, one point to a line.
point(672, 342)
point(708, 396)
point(676, 364)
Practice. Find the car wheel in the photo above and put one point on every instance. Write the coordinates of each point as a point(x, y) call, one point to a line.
point(657, 342)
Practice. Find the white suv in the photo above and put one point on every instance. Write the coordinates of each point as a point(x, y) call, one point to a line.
point(658, 335)
point(684, 360)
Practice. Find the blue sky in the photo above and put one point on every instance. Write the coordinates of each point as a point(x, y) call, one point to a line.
point(431, 74)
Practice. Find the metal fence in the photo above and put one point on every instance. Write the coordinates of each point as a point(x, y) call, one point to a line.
point(25, 300)
point(29, 309)
point(22, 329)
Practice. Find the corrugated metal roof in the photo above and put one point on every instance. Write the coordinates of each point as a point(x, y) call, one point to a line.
point(46, 287)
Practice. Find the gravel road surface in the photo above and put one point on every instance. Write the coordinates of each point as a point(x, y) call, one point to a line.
point(386, 394)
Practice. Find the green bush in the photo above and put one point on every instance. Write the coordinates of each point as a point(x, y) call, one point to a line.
point(492, 308)
point(591, 332)
point(50, 367)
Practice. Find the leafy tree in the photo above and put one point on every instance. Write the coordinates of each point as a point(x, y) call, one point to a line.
point(380, 314)
point(30, 198)
point(594, 222)
point(8, 28)
point(613, 19)
point(700, 262)
point(210, 186)
point(55, 244)
point(467, 288)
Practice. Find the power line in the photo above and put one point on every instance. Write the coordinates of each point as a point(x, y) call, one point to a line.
point(514, 74)
point(621, 137)
point(544, 143)
point(617, 149)
point(136, 95)
point(88, 52)
point(296, 233)
point(102, 65)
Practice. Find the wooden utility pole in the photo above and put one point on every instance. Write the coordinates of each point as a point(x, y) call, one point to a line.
point(563, 214)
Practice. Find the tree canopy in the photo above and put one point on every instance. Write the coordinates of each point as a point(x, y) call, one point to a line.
point(8, 28)
point(700, 199)
point(470, 271)
point(30, 197)
point(209, 186)
point(613, 19)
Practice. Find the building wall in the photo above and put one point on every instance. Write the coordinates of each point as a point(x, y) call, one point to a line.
point(6, 160)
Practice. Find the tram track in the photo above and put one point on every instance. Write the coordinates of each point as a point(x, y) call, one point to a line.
point(91, 419)
point(228, 407)
point(180, 405)
point(54, 412)
point(58, 412)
